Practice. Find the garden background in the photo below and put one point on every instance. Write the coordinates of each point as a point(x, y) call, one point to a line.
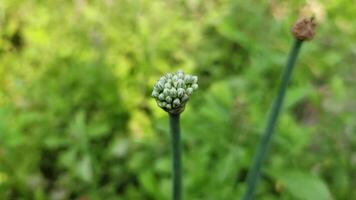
point(77, 120)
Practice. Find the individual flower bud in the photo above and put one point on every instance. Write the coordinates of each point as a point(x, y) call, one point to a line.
point(159, 86)
point(189, 91)
point(169, 75)
point(175, 78)
point(163, 79)
point(161, 96)
point(180, 83)
point(195, 86)
point(169, 81)
point(168, 106)
point(194, 79)
point(175, 84)
point(155, 93)
point(166, 91)
point(162, 104)
point(180, 74)
point(180, 92)
point(169, 99)
point(176, 102)
point(185, 98)
point(168, 85)
point(187, 78)
point(173, 92)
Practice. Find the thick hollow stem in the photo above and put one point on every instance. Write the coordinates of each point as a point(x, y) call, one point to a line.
point(176, 156)
point(254, 172)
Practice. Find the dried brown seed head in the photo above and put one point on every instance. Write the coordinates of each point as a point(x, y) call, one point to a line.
point(304, 29)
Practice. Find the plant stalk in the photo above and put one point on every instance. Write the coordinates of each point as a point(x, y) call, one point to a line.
point(254, 172)
point(176, 156)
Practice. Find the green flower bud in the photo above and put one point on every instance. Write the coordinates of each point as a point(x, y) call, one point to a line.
point(180, 92)
point(168, 85)
point(185, 98)
point(187, 78)
point(169, 99)
point(161, 97)
point(166, 91)
point(172, 91)
point(180, 83)
point(162, 104)
point(180, 74)
point(194, 79)
point(155, 93)
point(175, 78)
point(169, 106)
point(176, 103)
point(189, 91)
point(169, 75)
point(159, 86)
point(163, 79)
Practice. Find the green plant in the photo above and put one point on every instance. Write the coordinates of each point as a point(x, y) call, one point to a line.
point(172, 92)
point(302, 30)
point(73, 92)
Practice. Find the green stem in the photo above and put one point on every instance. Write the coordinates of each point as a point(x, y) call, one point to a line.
point(176, 158)
point(254, 172)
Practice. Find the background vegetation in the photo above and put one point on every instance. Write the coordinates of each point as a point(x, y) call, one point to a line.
point(77, 120)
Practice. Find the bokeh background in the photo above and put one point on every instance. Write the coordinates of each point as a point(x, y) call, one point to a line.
point(77, 120)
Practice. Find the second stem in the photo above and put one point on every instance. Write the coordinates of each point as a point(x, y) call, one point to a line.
point(254, 172)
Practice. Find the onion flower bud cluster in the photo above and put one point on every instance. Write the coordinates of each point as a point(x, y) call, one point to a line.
point(172, 91)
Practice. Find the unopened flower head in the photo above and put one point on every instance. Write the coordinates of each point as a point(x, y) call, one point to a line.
point(172, 91)
point(304, 29)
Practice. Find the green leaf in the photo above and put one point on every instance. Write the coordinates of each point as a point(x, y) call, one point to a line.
point(304, 186)
point(84, 169)
point(296, 94)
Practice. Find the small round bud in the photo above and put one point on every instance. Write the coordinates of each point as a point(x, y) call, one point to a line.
point(162, 104)
point(176, 102)
point(169, 81)
point(163, 79)
point(155, 93)
point(169, 75)
point(161, 97)
point(175, 78)
point(168, 85)
point(185, 98)
point(194, 79)
point(169, 99)
point(180, 74)
point(187, 78)
point(166, 91)
point(180, 83)
point(168, 106)
point(175, 84)
point(173, 92)
point(159, 86)
point(180, 92)
point(195, 86)
point(189, 91)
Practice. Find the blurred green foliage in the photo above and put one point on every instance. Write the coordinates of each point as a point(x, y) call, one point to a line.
point(77, 120)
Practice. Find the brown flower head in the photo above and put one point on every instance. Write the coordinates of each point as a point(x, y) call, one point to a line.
point(304, 29)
